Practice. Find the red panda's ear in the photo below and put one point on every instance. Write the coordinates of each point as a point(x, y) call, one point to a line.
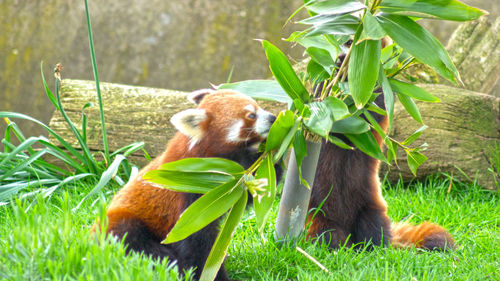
point(196, 96)
point(188, 122)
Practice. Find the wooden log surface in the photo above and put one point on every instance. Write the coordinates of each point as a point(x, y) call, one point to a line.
point(474, 48)
point(463, 129)
point(463, 133)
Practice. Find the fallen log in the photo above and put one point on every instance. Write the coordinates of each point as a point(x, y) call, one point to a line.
point(463, 129)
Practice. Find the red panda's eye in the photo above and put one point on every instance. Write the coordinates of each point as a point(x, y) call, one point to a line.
point(251, 116)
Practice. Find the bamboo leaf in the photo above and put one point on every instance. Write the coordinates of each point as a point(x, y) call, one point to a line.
point(284, 73)
point(415, 159)
point(191, 182)
point(419, 43)
point(259, 89)
point(280, 128)
point(206, 209)
point(209, 165)
point(263, 204)
point(221, 245)
point(350, 125)
point(335, 7)
point(371, 29)
point(411, 107)
point(367, 143)
point(388, 96)
point(412, 91)
point(363, 69)
point(444, 9)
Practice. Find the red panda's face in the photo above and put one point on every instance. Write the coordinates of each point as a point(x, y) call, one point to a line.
point(224, 116)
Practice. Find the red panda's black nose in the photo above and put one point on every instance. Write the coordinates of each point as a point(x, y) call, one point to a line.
point(271, 118)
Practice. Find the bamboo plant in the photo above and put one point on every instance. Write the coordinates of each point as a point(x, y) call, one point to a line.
point(321, 101)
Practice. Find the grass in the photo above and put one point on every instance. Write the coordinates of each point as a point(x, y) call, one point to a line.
point(50, 241)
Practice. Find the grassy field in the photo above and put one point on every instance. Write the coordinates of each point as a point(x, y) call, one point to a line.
point(50, 241)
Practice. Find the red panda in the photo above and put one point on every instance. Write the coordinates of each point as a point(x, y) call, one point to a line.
point(354, 210)
point(224, 124)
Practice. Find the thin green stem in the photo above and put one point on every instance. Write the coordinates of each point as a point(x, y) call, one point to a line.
point(98, 88)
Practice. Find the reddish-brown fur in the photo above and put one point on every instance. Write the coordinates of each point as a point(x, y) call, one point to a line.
point(144, 214)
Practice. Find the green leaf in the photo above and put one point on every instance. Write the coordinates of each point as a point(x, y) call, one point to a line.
point(321, 119)
point(316, 72)
point(259, 89)
point(208, 165)
point(206, 209)
point(338, 109)
point(363, 69)
point(412, 91)
point(371, 29)
point(284, 122)
point(221, 244)
point(106, 176)
point(411, 107)
point(419, 43)
point(409, 140)
point(333, 28)
point(191, 182)
point(287, 140)
point(326, 42)
point(415, 159)
point(388, 96)
point(48, 92)
point(367, 143)
point(392, 149)
point(350, 125)
point(335, 7)
point(330, 19)
point(66, 145)
point(263, 205)
point(300, 150)
point(284, 73)
point(338, 142)
point(444, 9)
point(322, 57)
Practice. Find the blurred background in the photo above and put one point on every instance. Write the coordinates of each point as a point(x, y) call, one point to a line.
point(181, 45)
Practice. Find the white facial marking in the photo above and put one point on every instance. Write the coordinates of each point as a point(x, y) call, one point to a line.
point(263, 123)
point(250, 108)
point(233, 134)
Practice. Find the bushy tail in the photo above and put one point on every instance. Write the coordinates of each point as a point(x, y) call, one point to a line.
point(426, 235)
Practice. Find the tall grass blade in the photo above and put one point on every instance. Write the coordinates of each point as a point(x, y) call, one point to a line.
point(98, 88)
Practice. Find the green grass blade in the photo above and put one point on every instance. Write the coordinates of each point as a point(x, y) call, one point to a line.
point(128, 149)
point(105, 177)
point(66, 145)
point(21, 147)
point(98, 88)
point(48, 192)
point(24, 164)
point(221, 245)
point(48, 92)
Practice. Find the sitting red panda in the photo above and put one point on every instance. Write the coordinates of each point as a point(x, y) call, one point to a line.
point(355, 210)
point(225, 124)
